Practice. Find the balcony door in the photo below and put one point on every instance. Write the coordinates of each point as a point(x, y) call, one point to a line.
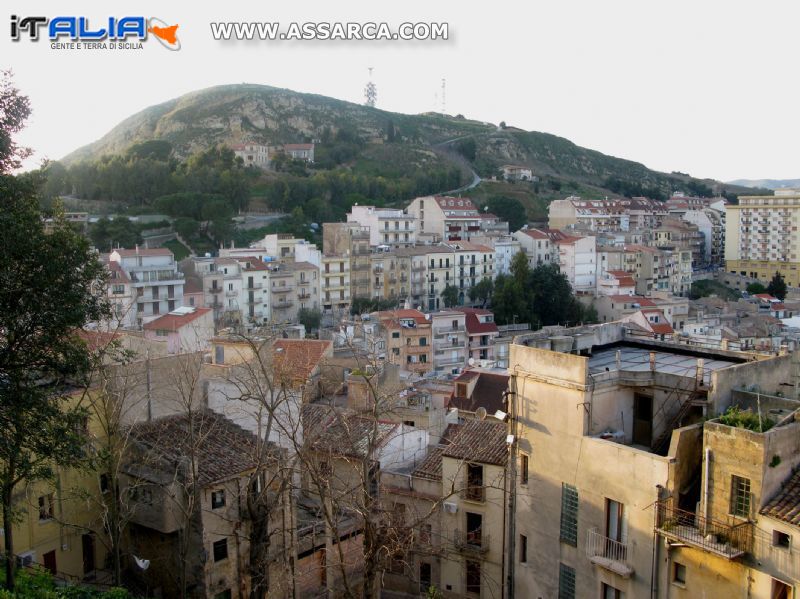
point(615, 521)
point(642, 420)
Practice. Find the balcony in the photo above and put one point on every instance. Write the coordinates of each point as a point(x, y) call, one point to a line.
point(231, 293)
point(282, 289)
point(449, 361)
point(418, 349)
point(214, 289)
point(282, 305)
point(608, 553)
point(472, 541)
point(725, 540)
point(303, 282)
point(255, 300)
point(360, 267)
point(451, 329)
point(443, 347)
point(253, 285)
point(476, 494)
point(304, 296)
point(418, 268)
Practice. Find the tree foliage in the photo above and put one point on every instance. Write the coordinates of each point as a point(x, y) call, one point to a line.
point(777, 286)
point(450, 296)
point(540, 296)
point(508, 209)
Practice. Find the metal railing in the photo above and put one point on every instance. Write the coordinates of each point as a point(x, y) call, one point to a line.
point(598, 545)
point(473, 493)
point(727, 540)
point(473, 540)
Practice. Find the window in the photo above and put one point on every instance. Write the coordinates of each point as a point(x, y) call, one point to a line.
point(226, 594)
point(678, 573)
point(217, 499)
point(780, 590)
point(781, 539)
point(395, 335)
point(569, 514)
point(474, 490)
point(610, 592)
point(220, 550)
point(740, 496)
point(523, 469)
point(566, 582)
point(615, 524)
point(473, 577)
point(425, 534)
point(105, 485)
point(46, 507)
point(523, 549)
point(118, 289)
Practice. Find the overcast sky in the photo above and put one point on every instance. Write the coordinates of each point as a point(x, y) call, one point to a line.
point(704, 87)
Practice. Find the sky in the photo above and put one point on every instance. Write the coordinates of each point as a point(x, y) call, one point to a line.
point(703, 87)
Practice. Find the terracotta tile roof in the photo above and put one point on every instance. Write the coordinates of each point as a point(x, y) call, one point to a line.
point(223, 449)
point(118, 274)
point(343, 433)
point(172, 322)
point(97, 340)
point(289, 147)
point(479, 441)
point(535, 234)
point(251, 263)
point(487, 394)
point(785, 505)
point(192, 285)
point(431, 466)
point(474, 326)
point(394, 315)
point(632, 299)
point(297, 359)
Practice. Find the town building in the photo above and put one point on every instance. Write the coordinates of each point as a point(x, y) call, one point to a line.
point(387, 226)
point(761, 236)
point(151, 278)
point(481, 333)
point(409, 341)
point(252, 154)
point(449, 341)
point(517, 173)
point(453, 219)
point(183, 330)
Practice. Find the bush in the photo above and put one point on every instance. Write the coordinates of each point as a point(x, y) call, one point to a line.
point(735, 416)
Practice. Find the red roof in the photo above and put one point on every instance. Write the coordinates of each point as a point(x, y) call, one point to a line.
point(632, 299)
point(251, 263)
point(289, 147)
point(475, 326)
point(418, 316)
point(173, 322)
point(298, 358)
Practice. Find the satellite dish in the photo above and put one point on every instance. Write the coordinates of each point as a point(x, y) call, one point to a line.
point(141, 562)
point(481, 413)
point(471, 361)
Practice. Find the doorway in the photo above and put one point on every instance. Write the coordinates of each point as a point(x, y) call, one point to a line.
point(642, 420)
point(87, 543)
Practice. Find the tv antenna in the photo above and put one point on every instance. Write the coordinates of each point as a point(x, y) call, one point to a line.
point(370, 91)
point(444, 104)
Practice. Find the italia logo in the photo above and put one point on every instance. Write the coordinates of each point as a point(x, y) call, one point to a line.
point(112, 30)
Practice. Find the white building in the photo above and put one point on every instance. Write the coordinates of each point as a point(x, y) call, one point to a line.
point(387, 226)
point(444, 218)
point(578, 261)
point(252, 154)
point(183, 330)
point(505, 248)
point(156, 285)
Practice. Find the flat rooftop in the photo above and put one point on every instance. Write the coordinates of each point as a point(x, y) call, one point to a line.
point(638, 359)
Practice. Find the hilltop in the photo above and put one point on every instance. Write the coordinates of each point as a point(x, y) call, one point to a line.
point(391, 145)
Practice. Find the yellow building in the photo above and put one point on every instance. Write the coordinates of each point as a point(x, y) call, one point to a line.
point(761, 236)
point(60, 525)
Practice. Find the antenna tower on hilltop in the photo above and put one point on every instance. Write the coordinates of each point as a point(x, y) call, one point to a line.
point(370, 91)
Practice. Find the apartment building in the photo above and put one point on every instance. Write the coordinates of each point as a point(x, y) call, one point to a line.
point(252, 154)
point(679, 235)
point(481, 333)
point(761, 236)
point(207, 542)
point(538, 245)
point(185, 329)
point(282, 294)
point(387, 226)
point(449, 341)
point(472, 263)
point(351, 241)
point(458, 540)
point(711, 225)
point(335, 285)
point(408, 339)
point(391, 275)
point(448, 219)
point(505, 248)
point(587, 480)
point(151, 277)
point(577, 259)
point(618, 214)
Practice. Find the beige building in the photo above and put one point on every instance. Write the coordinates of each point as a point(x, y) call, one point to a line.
point(408, 340)
point(605, 426)
point(335, 284)
point(387, 226)
point(449, 341)
point(761, 236)
point(351, 241)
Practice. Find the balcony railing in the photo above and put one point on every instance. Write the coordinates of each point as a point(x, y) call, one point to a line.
point(282, 305)
point(608, 553)
point(214, 289)
point(726, 540)
point(253, 285)
point(282, 289)
point(450, 329)
point(473, 493)
point(472, 541)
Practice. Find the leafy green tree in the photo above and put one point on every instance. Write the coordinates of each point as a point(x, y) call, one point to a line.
point(120, 232)
point(41, 357)
point(309, 318)
point(15, 108)
point(777, 286)
point(450, 296)
point(186, 227)
point(508, 209)
point(754, 288)
point(467, 148)
point(482, 291)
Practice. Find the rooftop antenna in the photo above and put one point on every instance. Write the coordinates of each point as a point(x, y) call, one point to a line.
point(370, 91)
point(444, 104)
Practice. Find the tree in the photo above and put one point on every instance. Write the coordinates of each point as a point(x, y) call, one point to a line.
point(309, 318)
point(482, 291)
point(41, 356)
point(777, 286)
point(508, 209)
point(450, 296)
point(754, 288)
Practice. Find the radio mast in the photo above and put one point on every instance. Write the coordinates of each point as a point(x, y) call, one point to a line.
point(370, 91)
